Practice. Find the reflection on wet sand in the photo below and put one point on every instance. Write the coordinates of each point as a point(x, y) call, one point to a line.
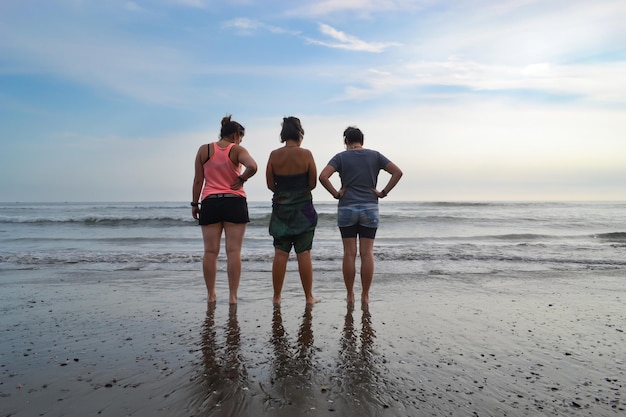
point(291, 380)
point(290, 375)
point(360, 378)
point(224, 379)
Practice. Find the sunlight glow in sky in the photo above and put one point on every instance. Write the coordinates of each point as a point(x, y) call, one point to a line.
point(474, 100)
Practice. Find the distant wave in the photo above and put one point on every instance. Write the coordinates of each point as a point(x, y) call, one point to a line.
point(512, 237)
point(523, 236)
point(613, 237)
point(104, 221)
point(456, 204)
point(496, 203)
point(418, 218)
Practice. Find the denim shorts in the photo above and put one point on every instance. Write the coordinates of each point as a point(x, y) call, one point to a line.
point(365, 215)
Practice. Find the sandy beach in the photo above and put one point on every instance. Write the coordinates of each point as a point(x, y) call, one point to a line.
point(140, 343)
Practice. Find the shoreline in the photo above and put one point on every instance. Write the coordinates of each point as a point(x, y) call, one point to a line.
point(146, 343)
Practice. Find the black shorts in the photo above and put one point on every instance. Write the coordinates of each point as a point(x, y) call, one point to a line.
point(223, 209)
point(358, 229)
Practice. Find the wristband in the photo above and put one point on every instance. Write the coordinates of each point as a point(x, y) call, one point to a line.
point(383, 193)
point(195, 204)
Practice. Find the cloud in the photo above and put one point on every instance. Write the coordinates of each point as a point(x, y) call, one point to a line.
point(197, 4)
point(245, 26)
point(348, 42)
point(193, 4)
point(365, 8)
point(132, 6)
point(599, 82)
point(566, 79)
point(521, 32)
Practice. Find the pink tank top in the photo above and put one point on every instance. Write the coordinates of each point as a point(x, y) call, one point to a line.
point(220, 173)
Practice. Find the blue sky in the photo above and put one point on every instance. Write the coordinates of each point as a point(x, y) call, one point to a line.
point(475, 100)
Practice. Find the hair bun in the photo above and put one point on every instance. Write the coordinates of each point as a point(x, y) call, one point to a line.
point(226, 120)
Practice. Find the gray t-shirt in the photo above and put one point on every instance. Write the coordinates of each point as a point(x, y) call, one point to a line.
point(358, 170)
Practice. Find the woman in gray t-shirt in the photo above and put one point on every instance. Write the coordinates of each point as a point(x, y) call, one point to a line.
point(357, 211)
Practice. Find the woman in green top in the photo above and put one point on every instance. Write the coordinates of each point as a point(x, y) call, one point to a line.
point(291, 174)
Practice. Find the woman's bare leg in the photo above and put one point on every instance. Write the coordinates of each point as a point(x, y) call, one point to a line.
point(234, 240)
point(349, 267)
point(305, 268)
point(366, 251)
point(211, 235)
point(279, 268)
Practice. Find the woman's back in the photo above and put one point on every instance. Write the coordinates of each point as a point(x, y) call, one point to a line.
point(290, 160)
point(291, 168)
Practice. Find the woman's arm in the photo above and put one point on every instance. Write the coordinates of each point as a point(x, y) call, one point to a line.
point(198, 180)
point(312, 172)
point(269, 173)
point(396, 174)
point(325, 181)
point(244, 158)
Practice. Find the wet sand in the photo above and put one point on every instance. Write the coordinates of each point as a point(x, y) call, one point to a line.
point(139, 343)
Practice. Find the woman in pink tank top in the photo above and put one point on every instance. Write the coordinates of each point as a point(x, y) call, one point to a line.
point(219, 203)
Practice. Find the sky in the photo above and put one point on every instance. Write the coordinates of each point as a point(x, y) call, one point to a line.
point(515, 100)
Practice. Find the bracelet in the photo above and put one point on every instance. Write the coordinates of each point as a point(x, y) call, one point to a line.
point(195, 204)
point(242, 179)
point(383, 193)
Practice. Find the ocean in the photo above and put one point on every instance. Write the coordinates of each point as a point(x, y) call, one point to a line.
point(421, 238)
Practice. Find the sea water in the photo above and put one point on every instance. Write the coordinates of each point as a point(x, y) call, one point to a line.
point(421, 238)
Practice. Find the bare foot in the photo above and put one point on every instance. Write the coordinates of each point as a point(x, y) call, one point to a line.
point(312, 300)
point(350, 297)
point(211, 298)
point(365, 298)
point(276, 300)
point(232, 299)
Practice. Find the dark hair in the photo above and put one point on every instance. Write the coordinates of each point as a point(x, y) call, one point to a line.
point(230, 127)
point(292, 129)
point(353, 135)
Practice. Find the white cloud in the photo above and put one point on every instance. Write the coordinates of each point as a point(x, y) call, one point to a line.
point(537, 70)
point(521, 32)
point(132, 6)
point(348, 42)
point(243, 25)
point(246, 26)
point(339, 39)
point(600, 82)
point(364, 8)
point(198, 4)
